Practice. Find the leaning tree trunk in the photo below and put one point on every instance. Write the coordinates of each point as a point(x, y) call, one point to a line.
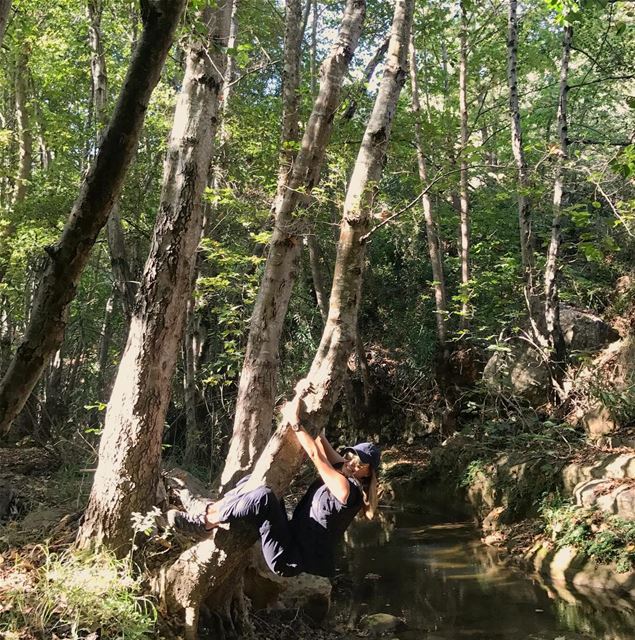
point(5, 10)
point(463, 189)
point(555, 338)
point(257, 386)
point(524, 211)
point(130, 450)
point(98, 192)
point(205, 568)
point(432, 235)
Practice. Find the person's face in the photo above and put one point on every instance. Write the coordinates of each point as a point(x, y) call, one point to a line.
point(355, 468)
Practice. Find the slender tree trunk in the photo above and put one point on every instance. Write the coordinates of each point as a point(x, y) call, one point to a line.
point(257, 387)
point(105, 340)
point(313, 4)
point(191, 395)
point(290, 92)
point(25, 157)
point(557, 349)
point(524, 211)
point(205, 568)
point(432, 234)
point(130, 449)
point(466, 309)
point(316, 274)
point(98, 192)
point(230, 70)
point(114, 231)
point(5, 10)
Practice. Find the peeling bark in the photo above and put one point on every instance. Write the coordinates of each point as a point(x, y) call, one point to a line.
point(206, 567)
point(257, 387)
point(98, 192)
point(130, 450)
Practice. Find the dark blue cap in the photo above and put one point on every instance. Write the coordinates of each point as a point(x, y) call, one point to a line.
point(368, 453)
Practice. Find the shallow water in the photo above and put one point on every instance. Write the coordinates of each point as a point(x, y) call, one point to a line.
point(447, 585)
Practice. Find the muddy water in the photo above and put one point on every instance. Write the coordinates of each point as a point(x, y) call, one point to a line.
point(447, 585)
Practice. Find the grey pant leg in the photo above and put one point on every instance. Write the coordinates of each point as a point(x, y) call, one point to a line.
point(262, 508)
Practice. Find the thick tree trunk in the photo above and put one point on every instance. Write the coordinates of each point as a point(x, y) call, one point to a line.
point(130, 448)
point(557, 349)
point(432, 234)
point(5, 10)
point(524, 211)
point(206, 567)
point(257, 387)
point(98, 192)
point(466, 310)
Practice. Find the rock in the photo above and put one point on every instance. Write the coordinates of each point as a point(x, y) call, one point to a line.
point(609, 495)
point(584, 331)
point(615, 465)
point(310, 593)
point(493, 520)
point(7, 496)
point(519, 368)
point(379, 624)
point(42, 519)
point(598, 422)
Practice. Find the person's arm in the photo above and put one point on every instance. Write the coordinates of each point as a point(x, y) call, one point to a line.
point(333, 456)
point(336, 483)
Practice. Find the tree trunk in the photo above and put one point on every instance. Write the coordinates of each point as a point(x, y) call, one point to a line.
point(98, 192)
point(316, 274)
point(5, 10)
point(207, 566)
point(432, 234)
point(130, 449)
point(466, 309)
point(25, 157)
point(290, 92)
point(114, 231)
point(524, 211)
point(191, 395)
point(105, 340)
point(557, 349)
point(257, 387)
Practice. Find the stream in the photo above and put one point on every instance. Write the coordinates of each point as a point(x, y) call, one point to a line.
point(447, 585)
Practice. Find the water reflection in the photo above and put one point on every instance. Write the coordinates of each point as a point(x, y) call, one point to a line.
point(449, 586)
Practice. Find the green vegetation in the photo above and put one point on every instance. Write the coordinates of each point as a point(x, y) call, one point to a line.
point(74, 595)
point(604, 538)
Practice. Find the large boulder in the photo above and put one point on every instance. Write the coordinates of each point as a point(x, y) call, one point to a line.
point(311, 594)
point(520, 369)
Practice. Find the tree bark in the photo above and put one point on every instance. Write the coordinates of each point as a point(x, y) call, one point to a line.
point(316, 274)
point(25, 157)
point(290, 92)
point(432, 234)
point(105, 340)
point(130, 449)
point(206, 567)
point(114, 231)
point(257, 387)
point(191, 395)
point(557, 349)
point(5, 10)
point(466, 309)
point(524, 210)
point(98, 192)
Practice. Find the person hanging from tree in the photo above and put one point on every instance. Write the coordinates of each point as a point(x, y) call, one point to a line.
point(346, 487)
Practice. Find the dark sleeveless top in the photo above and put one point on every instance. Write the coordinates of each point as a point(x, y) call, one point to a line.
point(318, 523)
